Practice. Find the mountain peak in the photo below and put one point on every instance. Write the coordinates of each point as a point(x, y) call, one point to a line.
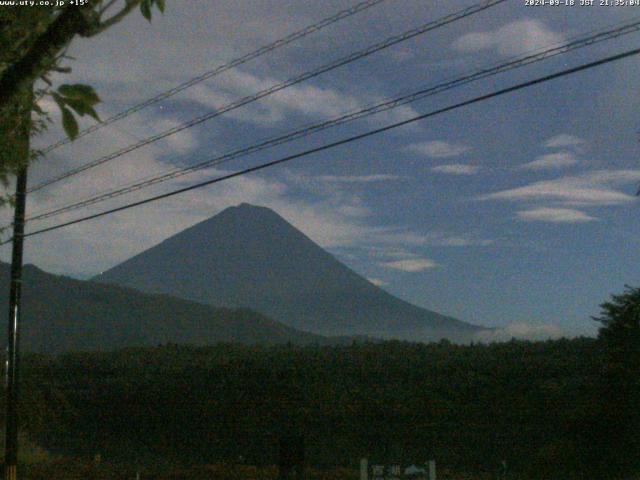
point(250, 206)
point(246, 211)
point(249, 256)
point(247, 207)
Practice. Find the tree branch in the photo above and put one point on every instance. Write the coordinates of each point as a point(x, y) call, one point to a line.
point(130, 5)
point(106, 7)
point(39, 57)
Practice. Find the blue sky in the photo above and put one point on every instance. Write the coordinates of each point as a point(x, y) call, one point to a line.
point(517, 212)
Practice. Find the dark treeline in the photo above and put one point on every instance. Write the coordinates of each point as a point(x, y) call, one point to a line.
point(539, 406)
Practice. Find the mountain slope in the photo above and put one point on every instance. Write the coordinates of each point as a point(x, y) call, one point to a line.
point(62, 314)
point(249, 256)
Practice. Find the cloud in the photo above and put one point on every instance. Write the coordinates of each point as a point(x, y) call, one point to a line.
point(457, 169)
point(163, 51)
point(328, 218)
point(552, 161)
point(326, 209)
point(377, 282)
point(446, 240)
point(512, 39)
point(388, 253)
point(590, 189)
point(432, 239)
point(555, 215)
point(302, 99)
point(412, 265)
point(358, 178)
point(99, 244)
point(521, 331)
point(564, 140)
point(474, 42)
point(182, 41)
point(437, 149)
point(182, 142)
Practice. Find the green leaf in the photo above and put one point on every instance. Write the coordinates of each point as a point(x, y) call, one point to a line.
point(82, 108)
point(69, 123)
point(77, 105)
point(145, 9)
point(92, 113)
point(58, 99)
point(78, 91)
point(160, 5)
point(37, 109)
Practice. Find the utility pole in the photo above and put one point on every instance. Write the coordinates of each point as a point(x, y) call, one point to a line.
point(15, 291)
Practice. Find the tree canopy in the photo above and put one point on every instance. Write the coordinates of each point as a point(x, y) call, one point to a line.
point(615, 430)
point(34, 40)
point(620, 332)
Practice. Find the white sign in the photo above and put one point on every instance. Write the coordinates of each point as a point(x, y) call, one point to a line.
point(386, 472)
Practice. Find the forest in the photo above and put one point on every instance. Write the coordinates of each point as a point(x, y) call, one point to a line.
point(542, 407)
point(563, 408)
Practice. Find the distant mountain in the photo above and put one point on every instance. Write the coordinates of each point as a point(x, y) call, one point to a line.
point(62, 314)
point(250, 257)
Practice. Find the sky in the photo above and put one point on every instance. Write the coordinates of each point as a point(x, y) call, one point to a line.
point(518, 212)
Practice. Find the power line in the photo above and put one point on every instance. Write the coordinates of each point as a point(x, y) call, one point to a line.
point(521, 61)
point(344, 141)
point(222, 68)
point(278, 87)
point(275, 88)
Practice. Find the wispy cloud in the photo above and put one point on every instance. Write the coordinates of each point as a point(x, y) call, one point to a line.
point(358, 178)
point(446, 240)
point(182, 142)
point(457, 169)
point(304, 99)
point(555, 215)
point(564, 140)
point(391, 236)
point(411, 265)
point(438, 149)
point(514, 38)
point(522, 331)
point(377, 282)
point(389, 253)
point(552, 161)
point(590, 189)
point(328, 210)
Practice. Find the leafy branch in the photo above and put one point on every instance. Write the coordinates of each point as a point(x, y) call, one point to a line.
point(36, 45)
